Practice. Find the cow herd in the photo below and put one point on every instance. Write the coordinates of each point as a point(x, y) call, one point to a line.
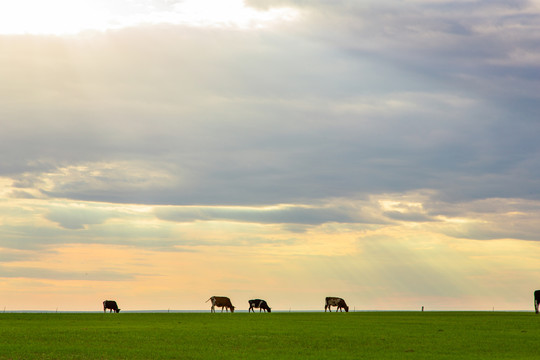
point(224, 302)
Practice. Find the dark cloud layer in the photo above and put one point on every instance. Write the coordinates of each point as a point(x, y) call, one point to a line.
point(356, 98)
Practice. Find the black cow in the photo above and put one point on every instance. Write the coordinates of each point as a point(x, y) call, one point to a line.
point(111, 305)
point(258, 303)
point(335, 301)
point(536, 300)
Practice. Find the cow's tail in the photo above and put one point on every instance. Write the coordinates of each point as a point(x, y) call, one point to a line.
point(208, 300)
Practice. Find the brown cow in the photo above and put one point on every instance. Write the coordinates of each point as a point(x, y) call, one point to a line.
point(336, 301)
point(222, 302)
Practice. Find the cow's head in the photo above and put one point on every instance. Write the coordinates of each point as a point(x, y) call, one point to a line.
point(117, 310)
point(269, 310)
point(232, 309)
point(346, 308)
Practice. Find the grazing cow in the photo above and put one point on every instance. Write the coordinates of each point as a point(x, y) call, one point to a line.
point(335, 301)
point(111, 305)
point(258, 303)
point(222, 302)
point(536, 300)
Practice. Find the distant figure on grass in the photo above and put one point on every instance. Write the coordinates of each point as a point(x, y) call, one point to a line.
point(536, 300)
point(111, 305)
point(336, 301)
point(222, 302)
point(258, 303)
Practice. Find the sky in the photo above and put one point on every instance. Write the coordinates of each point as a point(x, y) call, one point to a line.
point(159, 152)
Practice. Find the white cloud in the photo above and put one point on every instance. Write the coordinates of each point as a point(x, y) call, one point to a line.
point(61, 17)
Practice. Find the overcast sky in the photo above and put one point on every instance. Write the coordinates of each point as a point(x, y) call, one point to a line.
point(159, 152)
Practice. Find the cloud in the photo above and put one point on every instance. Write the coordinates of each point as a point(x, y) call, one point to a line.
point(76, 16)
point(111, 125)
point(283, 214)
point(76, 218)
point(44, 273)
point(187, 124)
point(453, 41)
point(489, 219)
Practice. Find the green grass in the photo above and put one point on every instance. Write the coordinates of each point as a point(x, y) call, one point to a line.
point(363, 335)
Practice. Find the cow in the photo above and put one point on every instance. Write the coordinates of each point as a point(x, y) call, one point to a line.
point(335, 301)
point(536, 300)
point(258, 303)
point(222, 302)
point(111, 305)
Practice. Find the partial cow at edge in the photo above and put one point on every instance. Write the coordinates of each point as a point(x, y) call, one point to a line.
point(536, 300)
point(335, 301)
point(222, 302)
point(260, 304)
point(111, 305)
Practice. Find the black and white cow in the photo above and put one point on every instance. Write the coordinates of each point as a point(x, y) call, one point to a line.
point(222, 302)
point(260, 304)
point(335, 301)
point(536, 300)
point(111, 305)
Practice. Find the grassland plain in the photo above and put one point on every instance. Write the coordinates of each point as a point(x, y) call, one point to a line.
point(360, 335)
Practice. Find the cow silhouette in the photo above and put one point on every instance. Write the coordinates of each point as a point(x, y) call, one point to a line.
point(258, 303)
point(111, 305)
point(536, 300)
point(335, 301)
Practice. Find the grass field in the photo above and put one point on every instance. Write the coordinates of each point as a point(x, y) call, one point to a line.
point(360, 335)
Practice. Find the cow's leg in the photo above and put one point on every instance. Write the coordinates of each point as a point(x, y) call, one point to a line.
point(536, 306)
